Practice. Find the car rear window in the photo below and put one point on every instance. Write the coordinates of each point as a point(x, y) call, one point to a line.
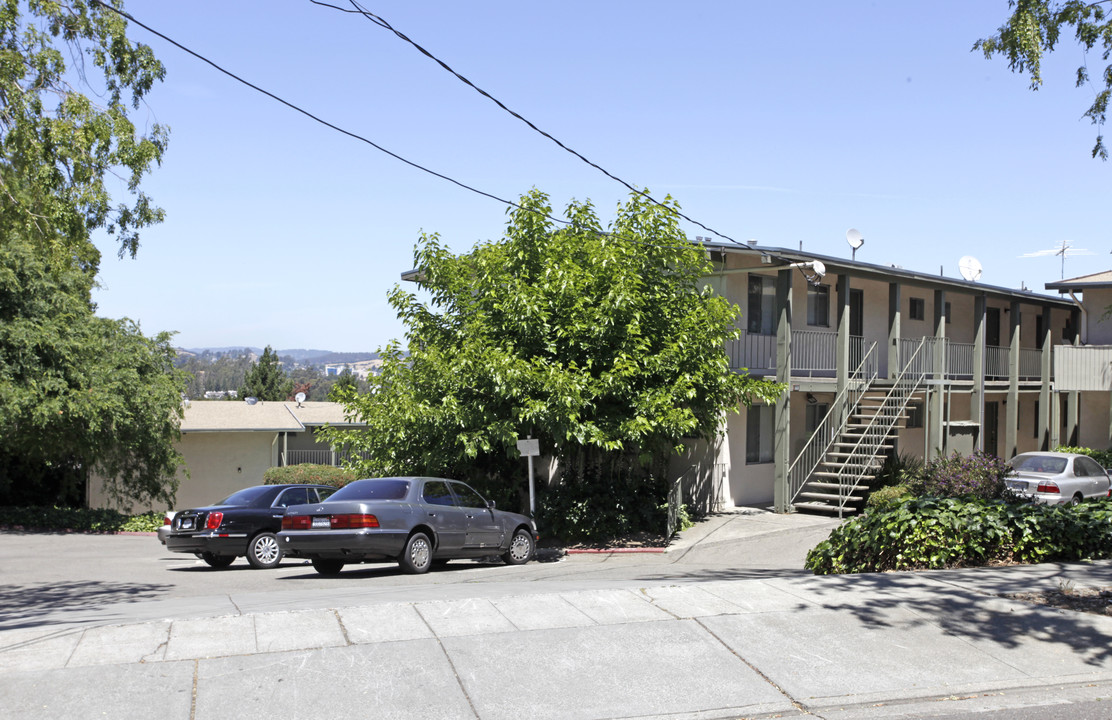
point(248, 496)
point(1039, 464)
point(373, 489)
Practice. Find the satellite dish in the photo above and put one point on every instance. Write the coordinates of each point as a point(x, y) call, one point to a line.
point(300, 397)
point(250, 400)
point(855, 240)
point(970, 268)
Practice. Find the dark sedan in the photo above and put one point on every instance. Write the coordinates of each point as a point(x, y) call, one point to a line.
point(244, 524)
point(415, 521)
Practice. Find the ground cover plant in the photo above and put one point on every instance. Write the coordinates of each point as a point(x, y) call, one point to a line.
point(957, 513)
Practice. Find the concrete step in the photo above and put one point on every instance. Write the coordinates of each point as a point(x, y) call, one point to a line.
point(821, 486)
point(830, 497)
point(822, 508)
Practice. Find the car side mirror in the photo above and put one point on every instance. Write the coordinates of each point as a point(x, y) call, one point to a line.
point(490, 504)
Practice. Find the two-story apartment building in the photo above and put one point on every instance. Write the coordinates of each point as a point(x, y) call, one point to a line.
point(878, 358)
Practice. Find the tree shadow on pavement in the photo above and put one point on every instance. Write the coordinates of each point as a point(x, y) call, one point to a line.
point(982, 617)
point(24, 606)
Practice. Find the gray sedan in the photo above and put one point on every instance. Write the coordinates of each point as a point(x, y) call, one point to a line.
point(1057, 478)
point(415, 521)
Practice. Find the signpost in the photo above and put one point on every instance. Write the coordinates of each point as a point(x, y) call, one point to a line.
point(530, 448)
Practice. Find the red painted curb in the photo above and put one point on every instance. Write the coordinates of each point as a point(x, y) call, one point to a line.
point(608, 551)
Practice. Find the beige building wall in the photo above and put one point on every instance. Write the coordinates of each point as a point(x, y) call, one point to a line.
point(749, 484)
point(218, 464)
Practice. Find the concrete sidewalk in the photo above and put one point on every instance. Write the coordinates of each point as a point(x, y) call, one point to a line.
point(840, 647)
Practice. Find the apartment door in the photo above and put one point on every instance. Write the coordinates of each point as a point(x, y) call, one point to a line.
point(991, 428)
point(992, 327)
point(856, 312)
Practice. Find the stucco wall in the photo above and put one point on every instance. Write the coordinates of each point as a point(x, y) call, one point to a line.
point(749, 484)
point(218, 464)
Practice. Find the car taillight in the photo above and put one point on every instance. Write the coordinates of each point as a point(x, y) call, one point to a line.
point(348, 522)
point(166, 520)
point(1046, 486)
point(213, 520)
point(296, 522)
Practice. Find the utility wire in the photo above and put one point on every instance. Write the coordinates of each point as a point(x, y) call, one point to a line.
point(360, 138)
point(377, 20)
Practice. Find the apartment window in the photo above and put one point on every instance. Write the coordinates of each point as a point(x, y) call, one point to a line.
point(948, 315)
point(762, 297)
point(917, 310)
point(818, 305)
point(814, 415)
point(1036, 423)
point(759, 429)
point(915, 415)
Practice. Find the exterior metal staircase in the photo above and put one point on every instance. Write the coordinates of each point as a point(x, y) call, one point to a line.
point(831, 473)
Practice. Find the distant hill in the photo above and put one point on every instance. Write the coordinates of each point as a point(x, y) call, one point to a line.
point(298, 355)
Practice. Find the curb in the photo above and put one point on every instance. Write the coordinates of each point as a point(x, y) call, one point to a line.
point(614, 551)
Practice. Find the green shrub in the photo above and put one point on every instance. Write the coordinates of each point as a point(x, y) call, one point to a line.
point(932, 533)
point(604, 508)
point(898, 470)
point(78, 519)
point(890, 495)
point(980, 475)
point(308, 473)
point(1103, 457)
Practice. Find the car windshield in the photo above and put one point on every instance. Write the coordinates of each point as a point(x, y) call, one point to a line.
point(1039, 464)
point(375, 489)
point(247, 496)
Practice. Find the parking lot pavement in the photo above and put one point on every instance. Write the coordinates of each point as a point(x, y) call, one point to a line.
point(834, 646)
point(711, 629)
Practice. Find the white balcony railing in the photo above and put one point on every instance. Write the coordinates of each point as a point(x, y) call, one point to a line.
point(815, 353)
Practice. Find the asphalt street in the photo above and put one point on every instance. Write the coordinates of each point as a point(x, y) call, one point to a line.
point(724, 625)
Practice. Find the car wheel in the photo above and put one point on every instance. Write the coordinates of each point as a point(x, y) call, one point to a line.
point(264, 552)
point(1076, 499)
point(521, 548)
point(328, 567)
point(417, 556)
point(218, 561)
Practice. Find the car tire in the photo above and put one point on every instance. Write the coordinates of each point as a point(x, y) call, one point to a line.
point(217, 561)
point(1076, 499)
point(417, 556)
point(328, 567)
point(521, 548)
point(264, 552)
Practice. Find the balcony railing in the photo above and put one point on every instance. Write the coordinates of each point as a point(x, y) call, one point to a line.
point(814, 353)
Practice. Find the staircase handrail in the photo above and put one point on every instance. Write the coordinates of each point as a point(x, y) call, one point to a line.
point(825, 434)
point(891, 409)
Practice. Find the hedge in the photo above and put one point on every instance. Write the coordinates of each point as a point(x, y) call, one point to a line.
point(308, 473)
point(77, 519)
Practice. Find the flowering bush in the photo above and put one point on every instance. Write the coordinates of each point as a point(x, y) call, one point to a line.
point(980, 475)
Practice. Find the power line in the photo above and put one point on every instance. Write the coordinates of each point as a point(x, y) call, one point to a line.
point(377, 20)
point(363, 139)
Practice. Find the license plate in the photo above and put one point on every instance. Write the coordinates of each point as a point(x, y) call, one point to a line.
point(321, 522)
point(187, 524)
point(1016, 485)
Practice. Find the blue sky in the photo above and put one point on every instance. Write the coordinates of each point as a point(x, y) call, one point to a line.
point(786, 123)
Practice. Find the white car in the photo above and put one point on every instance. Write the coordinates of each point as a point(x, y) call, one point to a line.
point(166, 523)
point(1056, 478)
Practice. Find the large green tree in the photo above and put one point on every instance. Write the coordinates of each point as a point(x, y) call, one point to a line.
point(77, 393)
point(601, 343)
point(1035, 27)
point(266, 380)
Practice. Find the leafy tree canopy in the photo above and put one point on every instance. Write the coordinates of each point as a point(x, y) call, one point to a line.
point(265, 380)
point(80, 392)
point(77, 392)
point(601, 343)
point(1035, 27)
